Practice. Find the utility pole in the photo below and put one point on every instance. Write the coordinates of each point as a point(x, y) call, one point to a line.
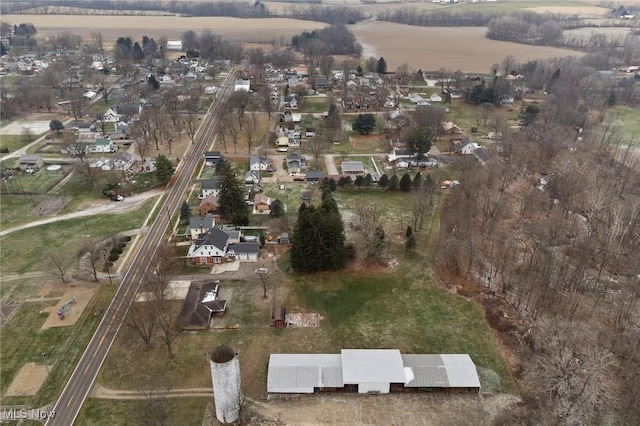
point(106, 266)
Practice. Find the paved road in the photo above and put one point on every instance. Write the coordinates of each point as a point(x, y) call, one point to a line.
point(83, 377)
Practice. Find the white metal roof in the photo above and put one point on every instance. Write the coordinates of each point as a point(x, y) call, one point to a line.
point(301, 373)
point(445, 371)
point(372, 366)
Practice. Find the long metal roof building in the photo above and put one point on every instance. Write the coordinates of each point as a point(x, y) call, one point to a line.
point(372, 370)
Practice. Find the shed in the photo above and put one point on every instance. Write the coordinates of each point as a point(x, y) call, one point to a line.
point(244, 251)
point(314, 176)
point(278, 319)
point(440, 371)
point(31, 163)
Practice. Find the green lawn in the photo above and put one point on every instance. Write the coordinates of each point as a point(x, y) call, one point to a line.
point(15, 142)
point(185, 411)
point(23, 342)
point(314, 104)
point(23, 250)
point(37, 183)
point(628, 120)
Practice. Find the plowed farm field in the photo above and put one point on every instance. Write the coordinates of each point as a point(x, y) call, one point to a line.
point(111, 27)
point(432, 48)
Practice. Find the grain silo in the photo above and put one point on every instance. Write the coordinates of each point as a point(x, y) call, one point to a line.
point(225, 375)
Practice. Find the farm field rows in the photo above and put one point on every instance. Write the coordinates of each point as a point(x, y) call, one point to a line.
point(172, 27)
point(432, 48)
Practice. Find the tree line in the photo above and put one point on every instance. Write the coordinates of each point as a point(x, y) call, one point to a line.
point(552, 230)
point(332, 40)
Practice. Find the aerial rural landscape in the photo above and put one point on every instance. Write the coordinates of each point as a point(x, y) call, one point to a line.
point(355, 212)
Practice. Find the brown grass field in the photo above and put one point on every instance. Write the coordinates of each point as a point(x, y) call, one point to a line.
point(172, 27)
point(432, 48)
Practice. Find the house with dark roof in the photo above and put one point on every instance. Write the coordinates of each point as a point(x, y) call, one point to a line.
point(352, 168)
point(200, 305)
point(252, 177)
point(314, 176)
point(209, 187)
point(31, 163)
point(212, 158)
point(295, 163)
point(481, 155)
point(198, 225)
point(209, 249)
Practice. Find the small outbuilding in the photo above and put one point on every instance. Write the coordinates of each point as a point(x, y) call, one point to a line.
point(278, 319)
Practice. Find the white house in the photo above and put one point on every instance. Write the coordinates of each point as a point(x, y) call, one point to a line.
point(199, 225)
point(209, 187)
point(210, 248)
point(101, 146)
point(259, 163)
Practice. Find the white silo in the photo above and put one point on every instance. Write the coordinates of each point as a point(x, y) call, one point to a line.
point(225, 375)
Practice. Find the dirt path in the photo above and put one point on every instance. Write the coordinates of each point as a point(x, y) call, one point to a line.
point(124, 206)
point(354, 409)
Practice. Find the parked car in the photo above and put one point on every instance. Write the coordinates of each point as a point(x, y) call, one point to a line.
point(117, 198)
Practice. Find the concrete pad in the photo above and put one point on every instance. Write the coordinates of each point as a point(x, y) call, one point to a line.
point(176, 290)
point(226, 267)
point(17, 127)
point(28, 380)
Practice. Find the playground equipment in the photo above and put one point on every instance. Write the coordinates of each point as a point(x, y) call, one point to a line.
point(66, 307)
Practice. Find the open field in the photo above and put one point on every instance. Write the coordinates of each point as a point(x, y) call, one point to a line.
point(587, 32)
point(187, 411)
point(172, 27)
point(432, 48)
point(628, 121)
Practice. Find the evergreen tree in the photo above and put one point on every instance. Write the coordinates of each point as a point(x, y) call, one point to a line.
point(367, 180)
point(231, 204)
point(393, 183)
point(153, 82)
point(384, 181)
point(410, 244)
point(333, 117)
point(420, 140)
point(137, 53)
point(417, 180)
point(277, 209)
point(3, 49)
point(409, 232)
point(405, 183)
point(359, 70)
point(328, 182)
point(359, 181)
point(164, 170)
point(381, 68)
point(365, 124)
point(56, 126)
point(185, 212)
point(318, 238)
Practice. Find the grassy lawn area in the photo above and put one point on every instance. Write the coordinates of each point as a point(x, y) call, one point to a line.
point(185, 411)
point(22, 251)
point(15, 142)
point(369, 144)
point(313, 104)
point(362, 307)
point(38, 183)
point(628, 120)
point(23, 342)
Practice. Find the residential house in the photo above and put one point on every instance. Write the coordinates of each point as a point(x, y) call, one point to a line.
point(234, 233)
point(259, 163)
point(291, 102)
point(208, 206)
point(102, 145)
point(209, 187)
point(116, 113)
point(244, 251)
point(252, 177)
point(310, 132)
point(199, 225)
point(295, 163)
point(209, 249)
point(102, 163)
point(212, 158)
point(210, 90)
point(262, 203)
point(450, 128)
point(30, 163)
point(352, 168)
point(314, 176)
point(283, 143)
point(400, 153)
point(321, 83)
point(200, 304)
point(465, 147)
point(123, 161)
